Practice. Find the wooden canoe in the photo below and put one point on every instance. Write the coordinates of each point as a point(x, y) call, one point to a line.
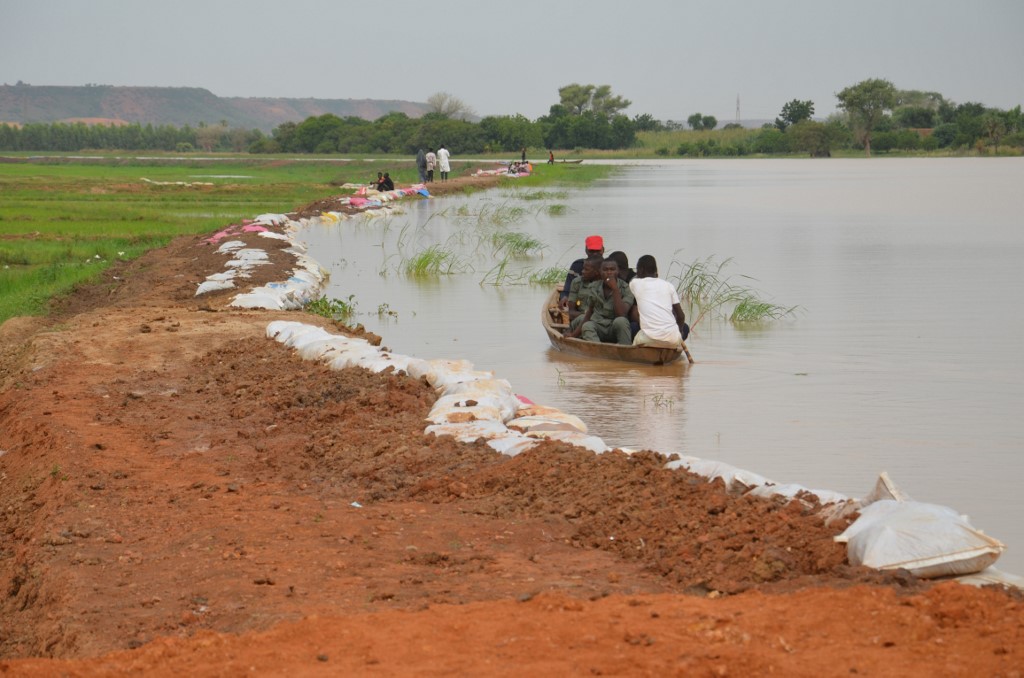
point(649, 355)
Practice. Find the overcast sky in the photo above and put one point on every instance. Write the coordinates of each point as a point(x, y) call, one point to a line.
point(671, 58)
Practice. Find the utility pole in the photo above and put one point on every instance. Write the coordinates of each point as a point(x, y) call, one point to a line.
point(737, 108)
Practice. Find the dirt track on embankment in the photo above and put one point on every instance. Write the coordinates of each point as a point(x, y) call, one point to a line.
point(177, 493)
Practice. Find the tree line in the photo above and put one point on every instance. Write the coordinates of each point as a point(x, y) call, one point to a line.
point(874, 116)
point(78, 136)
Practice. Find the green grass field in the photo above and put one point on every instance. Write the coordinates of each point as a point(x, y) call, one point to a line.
point(64, 219)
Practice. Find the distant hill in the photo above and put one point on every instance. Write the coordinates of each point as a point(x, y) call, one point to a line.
point(179, 106)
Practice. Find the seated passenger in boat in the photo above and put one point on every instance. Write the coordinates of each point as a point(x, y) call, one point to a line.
point(586, 284)
point(594, 246)
point(625, 272)
point(657, 309)
point(607, 316)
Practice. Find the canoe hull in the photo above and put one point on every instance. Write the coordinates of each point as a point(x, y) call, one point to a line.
point(648, 355)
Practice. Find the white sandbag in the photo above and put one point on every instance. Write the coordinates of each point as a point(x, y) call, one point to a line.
point(927, 539)
point(431, 368)
point(444, 379)
point(417, 368)
point(230, 246)
point(592, 443)
point(453, 414)
point(505, 403)
point(214, 286)
point(467, 432)
point(400, 363)
point(250, 254)
point(270, 219)
point(294, 295)
point(736, 480)
point(492, 386)
point(684, 461)
point(305, 277)
point(539, 423)
point(312, 333)
point(375, 362)
point(794, 491)
point(771, 489)
point(281, 330)
point(533, 409)
point(273, 235)
point(266, 300)
point(245, 264)
point(512, 444)
point(349, 356)
point(321, 349)
point(455, 408)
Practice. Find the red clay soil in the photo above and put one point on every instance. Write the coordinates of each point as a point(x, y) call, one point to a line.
point(180, 495)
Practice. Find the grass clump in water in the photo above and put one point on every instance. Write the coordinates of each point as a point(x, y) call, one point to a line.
point(434, 261)
point(705, 287)
point(542, 195)
point(516, 244)
point(333, 309)
point(752, 309)
point(548, 276)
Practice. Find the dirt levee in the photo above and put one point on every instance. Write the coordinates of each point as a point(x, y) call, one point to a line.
point(180, 494)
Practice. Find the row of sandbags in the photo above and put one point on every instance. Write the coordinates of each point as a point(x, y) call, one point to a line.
point(304, 284)
point(891, 531)
point(306, 281)
point(471, 404)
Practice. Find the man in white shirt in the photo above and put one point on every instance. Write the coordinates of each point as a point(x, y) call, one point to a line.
point(657, 309)
point(443, 162)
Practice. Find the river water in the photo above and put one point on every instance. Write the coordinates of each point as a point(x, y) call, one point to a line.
point(904, 354)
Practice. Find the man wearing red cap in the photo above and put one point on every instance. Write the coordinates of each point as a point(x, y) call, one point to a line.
point(594, 245)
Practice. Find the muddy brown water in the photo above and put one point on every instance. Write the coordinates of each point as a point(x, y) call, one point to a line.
point(904, 355)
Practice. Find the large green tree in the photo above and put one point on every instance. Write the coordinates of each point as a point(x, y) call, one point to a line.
point(793, 112)
point(698, 121)
point(815, 138)
point(578, 99)
point(866, 103)
point(993, 125)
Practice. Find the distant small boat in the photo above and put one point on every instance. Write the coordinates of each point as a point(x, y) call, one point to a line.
point(569, 162)
point(650, 355)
